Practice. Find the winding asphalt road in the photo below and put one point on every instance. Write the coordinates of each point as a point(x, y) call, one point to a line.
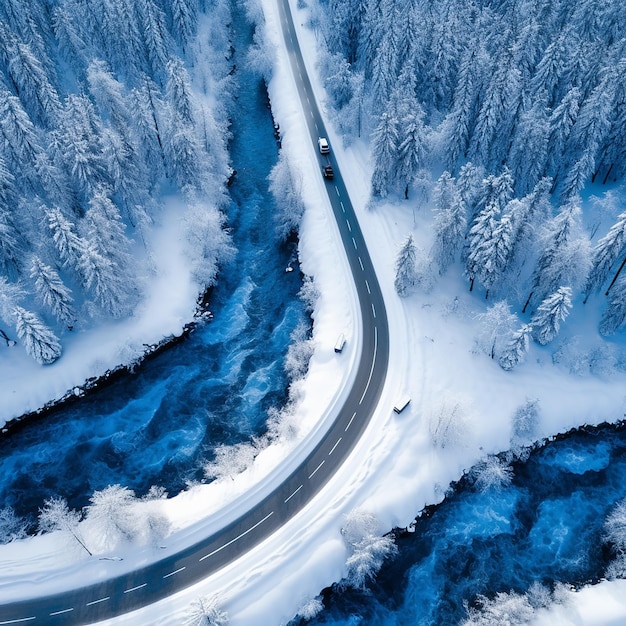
point(171, 574)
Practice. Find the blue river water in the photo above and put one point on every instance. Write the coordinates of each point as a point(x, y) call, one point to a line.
point(158, 426)
point(545, 527)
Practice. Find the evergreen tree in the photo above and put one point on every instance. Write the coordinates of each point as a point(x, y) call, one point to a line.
point(39, 341)
point(101, 277)
point(52, 292)
point(615, 314)
point(550, 69)
point(606, 253)
point(527, 157)
point(178, 91)
point(412, 148)
point(406, 268)
point(491, 136)
point(549, 315)
point(459, 122)
point(561, 122)
point(184, 20)
point(156, 38)
point(18, 139)
point(450, 222)
point(516, 350)
point(565, 258)
point(384, 154)
point(68, 244)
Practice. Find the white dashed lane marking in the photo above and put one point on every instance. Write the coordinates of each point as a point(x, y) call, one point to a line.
point(315, 470)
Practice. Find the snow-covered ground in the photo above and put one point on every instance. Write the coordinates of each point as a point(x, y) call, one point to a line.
point(432, 358)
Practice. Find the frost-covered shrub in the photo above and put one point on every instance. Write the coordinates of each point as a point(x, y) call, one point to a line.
point(56, 515)
point(206, 612)
point(513, 609)
point(231, 460)
point(111, 518)
point(615, 535)
point(525, 421)
point(311, 608)
point(495, 328)
point(286, 187)
point(506, 609)
point(299, 353)
point(448, 424)
point(492, 473)
point(367, 548)
point(12, 527)
point(309, 293)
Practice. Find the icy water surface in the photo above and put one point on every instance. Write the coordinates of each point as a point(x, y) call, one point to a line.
point(157, 426)
point(545, 527)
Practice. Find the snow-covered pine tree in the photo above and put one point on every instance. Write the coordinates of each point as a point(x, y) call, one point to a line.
point(615, 314)
point(450, 222)
point(406, 267)
point(489, 239)
point(18, 137)
point(39, 340)
point(550, 313)
point(102, 278)
point(155, 36)
point(491, 137)
point(384, 148)
point(412, 148)
point(31, 80)
point(68, 244)
point(605, 253)
point(184, 20)
point(515, 351)
point(550, 69)
point(460, 120)
point(178, 92)
point(566, 255)
point(146, 110)
point(52, 292)
point(561, 122)
point(528, 153)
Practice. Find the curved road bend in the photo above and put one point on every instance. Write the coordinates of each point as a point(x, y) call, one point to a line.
point(154, 582)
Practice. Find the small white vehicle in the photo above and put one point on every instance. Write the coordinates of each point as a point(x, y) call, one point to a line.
point(341, 342)
point(322, 143)
point(401, 404)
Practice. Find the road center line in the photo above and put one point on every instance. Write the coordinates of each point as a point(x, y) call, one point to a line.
point(343, 208)
point(137, 587)
point(368, 286)
point(373, 311)
point(98, 601)
point(337, 190)
point(350, 422)
point(293, 494)
point(176, 571)
point(17, 621)
point(354, 242)
point(315, 470)
point(361, 264)
point(333, 448)
point(369, 380)
point(62, 611)
point(243, 534)
point(349, 227)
